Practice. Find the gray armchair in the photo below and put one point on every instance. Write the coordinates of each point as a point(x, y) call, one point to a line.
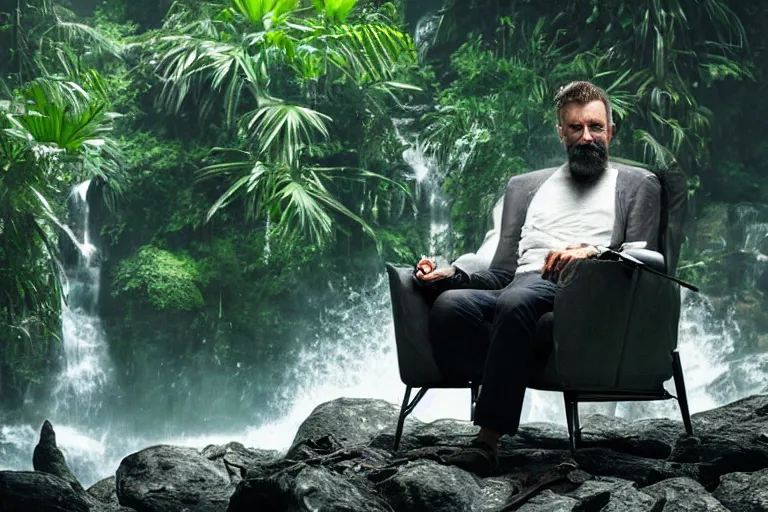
point(592, 356)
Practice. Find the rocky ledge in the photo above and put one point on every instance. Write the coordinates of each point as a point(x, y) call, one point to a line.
point(341, 460)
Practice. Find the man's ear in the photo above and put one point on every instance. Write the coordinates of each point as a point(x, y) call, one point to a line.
point(611, 131)
point(560, 132)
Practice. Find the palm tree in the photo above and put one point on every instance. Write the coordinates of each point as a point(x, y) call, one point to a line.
point(238, 55)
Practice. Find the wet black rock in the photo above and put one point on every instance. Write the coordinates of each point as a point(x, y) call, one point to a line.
point(163, 477)
point(342, 460)
point(22, 491)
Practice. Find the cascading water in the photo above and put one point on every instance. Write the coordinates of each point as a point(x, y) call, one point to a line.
point(426, 172)
point(86, 371)
point(426, 31)
point(78, 393)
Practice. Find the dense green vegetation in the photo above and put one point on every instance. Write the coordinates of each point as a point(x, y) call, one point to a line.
point(251, 164)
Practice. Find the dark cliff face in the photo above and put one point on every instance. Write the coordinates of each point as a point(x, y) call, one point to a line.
point(416, 9)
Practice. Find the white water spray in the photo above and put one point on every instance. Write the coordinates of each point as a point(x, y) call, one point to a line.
point(77, 394)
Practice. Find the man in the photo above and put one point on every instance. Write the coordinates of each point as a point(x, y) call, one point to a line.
point(483, 322)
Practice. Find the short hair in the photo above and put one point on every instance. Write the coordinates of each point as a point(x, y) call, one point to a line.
point(581, 92)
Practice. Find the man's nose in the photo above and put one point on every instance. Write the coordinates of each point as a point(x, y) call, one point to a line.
point(586, 135)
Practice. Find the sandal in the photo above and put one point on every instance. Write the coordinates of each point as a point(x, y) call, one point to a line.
point(478, 457)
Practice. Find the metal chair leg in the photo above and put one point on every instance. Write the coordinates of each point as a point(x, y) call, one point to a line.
point(475, 390)
point(405, 410)
point(572, 417)
point(682, 397)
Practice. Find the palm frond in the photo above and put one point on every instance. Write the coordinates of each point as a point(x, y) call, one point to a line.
point(282, 130)
point(654, 151)
point(78, 34)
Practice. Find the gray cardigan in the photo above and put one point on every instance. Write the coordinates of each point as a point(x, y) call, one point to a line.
point(638, 211)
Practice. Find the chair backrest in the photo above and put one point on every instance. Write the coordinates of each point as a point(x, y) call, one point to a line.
point(674, 214)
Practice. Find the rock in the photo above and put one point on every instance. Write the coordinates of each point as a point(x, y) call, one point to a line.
point(496, 490)
point(105, 493)
point(548, 501)
point(744, 492)
point(25, 491)
point(728, 439)
point(426, 485)
point(48, 458)
point(342, 460)
point(104, 490)
point(684, 495)
point(346, 422)
point(236, 460)
point(163, 478)
point(303, 488)
point(643, 471)
point(650, 438)
point(619, 495)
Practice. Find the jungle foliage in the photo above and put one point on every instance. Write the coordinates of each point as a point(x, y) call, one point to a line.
point(246, 170)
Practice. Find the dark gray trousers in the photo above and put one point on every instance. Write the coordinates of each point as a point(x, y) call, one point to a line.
point(489, 336)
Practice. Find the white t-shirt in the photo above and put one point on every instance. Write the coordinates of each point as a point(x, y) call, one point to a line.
point(567, 212)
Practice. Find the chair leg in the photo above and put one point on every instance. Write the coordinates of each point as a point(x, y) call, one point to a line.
point(572, 417)
point(475, 390)
point(682, 397)
point(405, 410)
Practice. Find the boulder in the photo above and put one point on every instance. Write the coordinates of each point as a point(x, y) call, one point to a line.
point(48, 458)
point(345, 422)
point(744, 492)
point(426, 485)
point(304, 488)
point(236, 460)
point(24, 491)
point(162, 478)
point(619, 495)
point(731, 438)
point(684, 495)
point(104, 491)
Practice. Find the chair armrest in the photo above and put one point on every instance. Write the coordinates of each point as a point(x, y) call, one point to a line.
point(410, 312)
point(653, 259)
point(615, 326)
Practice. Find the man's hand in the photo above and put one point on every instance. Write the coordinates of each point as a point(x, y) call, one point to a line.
point(557, 261)
point(425, 270)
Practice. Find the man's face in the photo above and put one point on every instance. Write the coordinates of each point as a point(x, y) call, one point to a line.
point(586, 133)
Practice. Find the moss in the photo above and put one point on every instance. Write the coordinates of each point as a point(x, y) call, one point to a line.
point(165, 280)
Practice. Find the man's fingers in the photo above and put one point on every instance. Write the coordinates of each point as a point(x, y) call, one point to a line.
point(426, 266)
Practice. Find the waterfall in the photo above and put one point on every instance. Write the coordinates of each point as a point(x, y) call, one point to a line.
point(429, 179)
point(78, 392)
point(425, 34)
point(751, 241)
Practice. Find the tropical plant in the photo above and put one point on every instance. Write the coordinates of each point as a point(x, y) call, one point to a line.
point(237, 55)
point(278, 181)
point(671, 49)
point(53, 133)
